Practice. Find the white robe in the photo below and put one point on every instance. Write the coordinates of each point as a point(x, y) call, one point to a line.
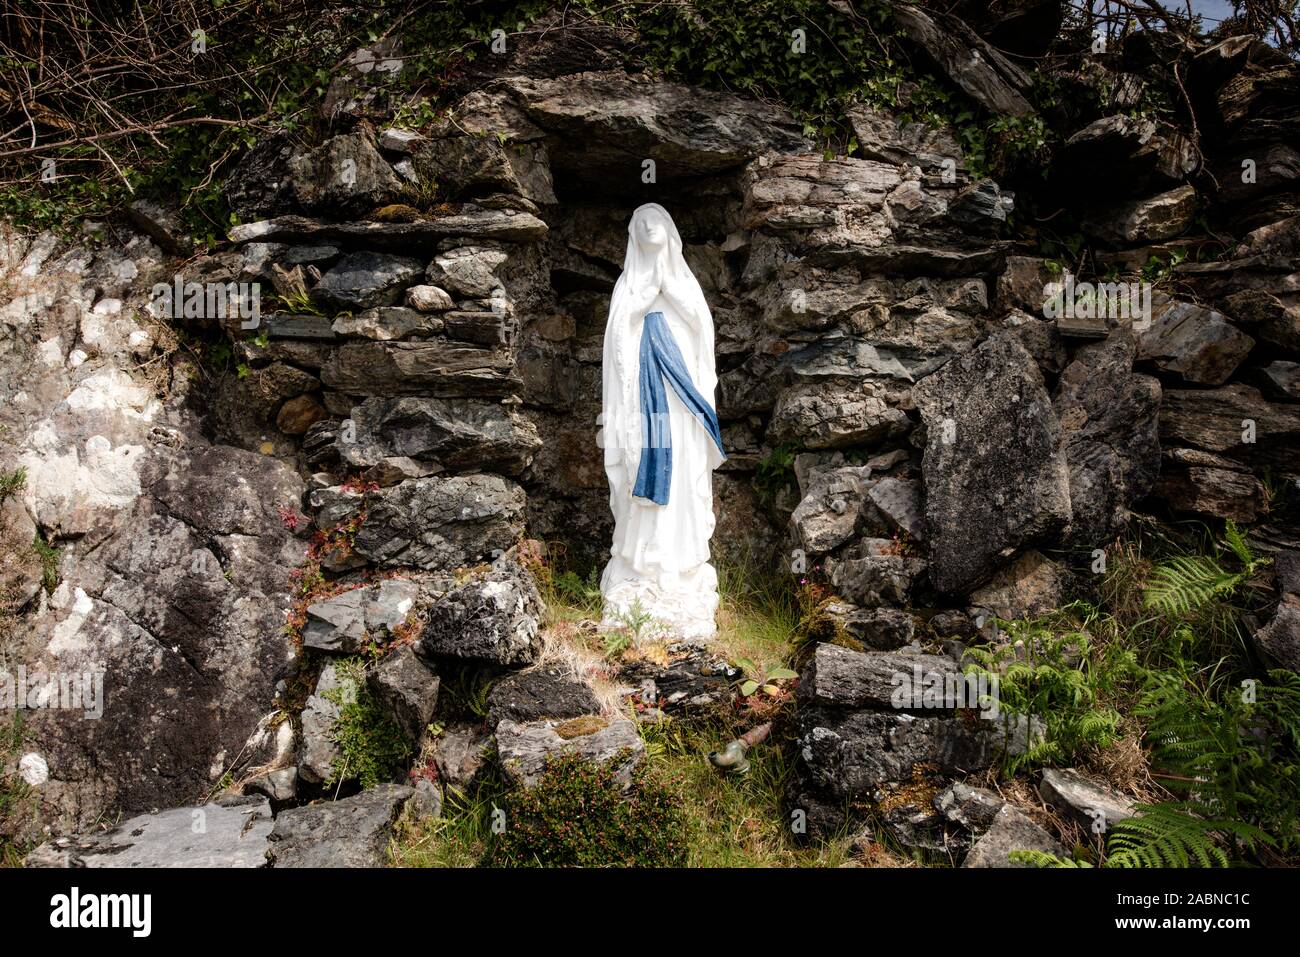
point(660, 553)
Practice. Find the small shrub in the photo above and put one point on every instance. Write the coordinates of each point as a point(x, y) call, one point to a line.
point(579, 816)
point(372, 747)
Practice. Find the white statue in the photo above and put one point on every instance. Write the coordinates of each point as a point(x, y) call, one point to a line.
point(660, 436)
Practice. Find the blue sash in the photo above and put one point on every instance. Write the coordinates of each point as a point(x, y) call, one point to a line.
point(662, 361)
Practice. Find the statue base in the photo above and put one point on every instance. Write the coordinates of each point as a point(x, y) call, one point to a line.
point(678, 605)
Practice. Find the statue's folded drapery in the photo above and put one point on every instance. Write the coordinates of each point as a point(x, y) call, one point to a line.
point(661, 361)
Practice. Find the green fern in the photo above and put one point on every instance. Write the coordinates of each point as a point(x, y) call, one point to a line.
point(1169, 834)
point(1173, 834)
point(1034, 858)
point(1187, 583)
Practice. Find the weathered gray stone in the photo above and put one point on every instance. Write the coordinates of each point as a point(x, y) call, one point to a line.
point(995, 474)
point(1213, 492)
point(842, 678)
point(468, 271)
point(353, 832)
point(1095, 806)
point(494, 617)
point(407, 689)
point(1028, 587)
point(164, 225)
point(1011, 831)
point(1137, 153)
point(472, 222)
point(971, 807)
point(884, 137)
point(881, 629)
point(1108, 419)
point(459, 754)
point(827, 415)
point(344, 175)
point(830, 514)
point(875, 579)
point(539, 693)
point(1150, 219)
point(347, 622)
point(618, 119)
point(851, 754)
point(895, 506)
point(1281, 379)
point(360, 280)
point(1220, 420)
point(231, 835)
point(1279, 640)
point(456, 434)
point(841, 201)
point(970, 61)
point(280, 784)
point(1197, 343)
point(426, 298)
point(437, 368)
point(442, 523)
point(319, 750)
point(525, 749)
point(386, 323)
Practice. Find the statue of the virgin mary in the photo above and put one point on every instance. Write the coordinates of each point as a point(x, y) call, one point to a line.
point(660, 436)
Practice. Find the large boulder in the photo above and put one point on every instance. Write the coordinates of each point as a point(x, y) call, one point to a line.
point(995, 473)
point(610, 122)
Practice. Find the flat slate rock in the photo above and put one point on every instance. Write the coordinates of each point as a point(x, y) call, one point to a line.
point(1094, 805)
point(476, 223)
point(215, 835)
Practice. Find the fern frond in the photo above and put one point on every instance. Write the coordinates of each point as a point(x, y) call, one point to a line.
point(1034, 858)
point(1188, 582)
point(1171, 835)
point(1236, 540)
